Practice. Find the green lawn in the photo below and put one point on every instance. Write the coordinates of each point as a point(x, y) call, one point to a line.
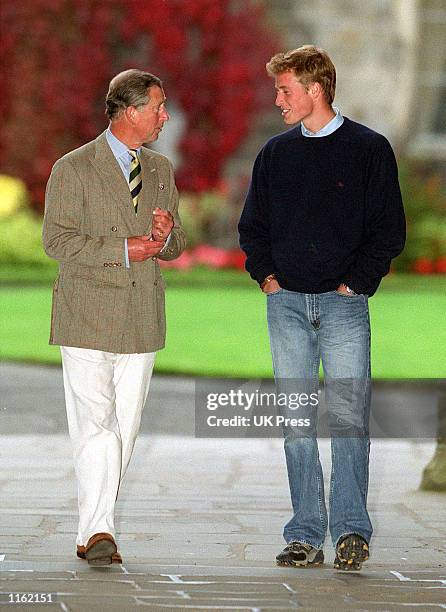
point(217, 327)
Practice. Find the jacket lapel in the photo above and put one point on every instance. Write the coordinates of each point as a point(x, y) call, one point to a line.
point(114, 181)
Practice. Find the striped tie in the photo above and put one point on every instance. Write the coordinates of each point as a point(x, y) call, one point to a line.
point(135, 180)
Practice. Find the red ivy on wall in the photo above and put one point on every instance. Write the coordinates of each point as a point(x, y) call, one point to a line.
point(59, 56)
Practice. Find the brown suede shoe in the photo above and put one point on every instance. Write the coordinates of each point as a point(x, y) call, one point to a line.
point(100, 549)
point(80, 552)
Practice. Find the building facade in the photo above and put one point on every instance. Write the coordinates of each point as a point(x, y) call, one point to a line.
point(390, 57)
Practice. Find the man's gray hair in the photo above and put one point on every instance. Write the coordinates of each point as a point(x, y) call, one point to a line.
point(129, 88)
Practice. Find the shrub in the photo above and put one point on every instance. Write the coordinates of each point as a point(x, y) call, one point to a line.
point(425, 205)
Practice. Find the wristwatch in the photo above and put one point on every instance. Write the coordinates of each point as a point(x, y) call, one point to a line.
point(266, 280)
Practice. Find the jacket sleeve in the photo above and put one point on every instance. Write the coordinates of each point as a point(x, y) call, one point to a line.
point(254, 226)
point(384, 226)
point(177, 241)
point(62, 235)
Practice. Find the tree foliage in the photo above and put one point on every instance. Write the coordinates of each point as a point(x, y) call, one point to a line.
point(61, 55)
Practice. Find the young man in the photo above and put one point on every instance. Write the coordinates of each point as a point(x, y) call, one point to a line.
point(322, 220)
point(111, 209)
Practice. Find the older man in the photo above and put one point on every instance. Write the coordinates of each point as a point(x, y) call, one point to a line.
point(321, 223)
point(111, 211)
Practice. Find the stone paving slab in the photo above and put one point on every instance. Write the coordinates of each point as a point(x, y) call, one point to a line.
point(308, 589)
point(194, 537)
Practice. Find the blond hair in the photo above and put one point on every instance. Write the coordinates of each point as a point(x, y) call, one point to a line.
point(310, 64)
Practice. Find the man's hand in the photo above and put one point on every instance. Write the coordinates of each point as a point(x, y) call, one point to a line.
point(271, 286)
point(343, 289)
point(141, 248)
point(162, 224)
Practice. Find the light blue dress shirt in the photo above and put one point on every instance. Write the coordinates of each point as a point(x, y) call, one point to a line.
point(329, 128)
point(121, 152)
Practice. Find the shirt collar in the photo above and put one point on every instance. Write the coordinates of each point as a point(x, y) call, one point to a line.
point(119, 149)
point(328, 128)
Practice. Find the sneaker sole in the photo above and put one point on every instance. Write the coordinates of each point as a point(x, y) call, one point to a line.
point(351, 553)
point(344, 566)
point(298, 564)
point(319, 560)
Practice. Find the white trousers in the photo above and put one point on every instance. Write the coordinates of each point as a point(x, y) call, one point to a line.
point(105, 395)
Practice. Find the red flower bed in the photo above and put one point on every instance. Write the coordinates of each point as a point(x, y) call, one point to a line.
point(207, 255)
point(440, 265)
point(61, 54)
point(423, 265)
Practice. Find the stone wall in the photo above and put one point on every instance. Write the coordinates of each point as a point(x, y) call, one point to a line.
point(389, 55)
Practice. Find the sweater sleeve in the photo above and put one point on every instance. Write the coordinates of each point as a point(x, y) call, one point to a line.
point(254, 226)
point(384, 225)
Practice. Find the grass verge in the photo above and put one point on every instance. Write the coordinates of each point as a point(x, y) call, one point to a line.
point(217, 326)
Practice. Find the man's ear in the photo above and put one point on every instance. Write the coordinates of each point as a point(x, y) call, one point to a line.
point(315, 90)
point(130, 114)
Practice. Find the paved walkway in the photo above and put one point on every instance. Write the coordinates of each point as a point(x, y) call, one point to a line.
point(200, 523)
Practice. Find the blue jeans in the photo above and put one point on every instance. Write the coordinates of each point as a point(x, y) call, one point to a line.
point(305, 329)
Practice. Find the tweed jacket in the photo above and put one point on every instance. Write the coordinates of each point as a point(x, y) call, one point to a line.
point(98, 303)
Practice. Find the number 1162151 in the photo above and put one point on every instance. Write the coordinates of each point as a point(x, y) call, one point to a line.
point(30, 598)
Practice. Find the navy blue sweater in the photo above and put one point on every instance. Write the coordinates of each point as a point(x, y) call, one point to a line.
point(324, 211)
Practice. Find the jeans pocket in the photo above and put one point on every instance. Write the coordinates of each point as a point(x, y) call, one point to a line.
point(275, 292)
point(350, 296)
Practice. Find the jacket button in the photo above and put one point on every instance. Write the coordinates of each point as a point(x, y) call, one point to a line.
point(105, 265)
point(114, 228)
point(155, 283)
point(133, 284)
point(154, 258)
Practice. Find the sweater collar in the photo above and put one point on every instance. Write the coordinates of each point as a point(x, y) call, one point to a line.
point(327, 129)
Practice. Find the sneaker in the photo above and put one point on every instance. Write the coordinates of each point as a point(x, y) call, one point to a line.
point(299, 554)
point(351, 552)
